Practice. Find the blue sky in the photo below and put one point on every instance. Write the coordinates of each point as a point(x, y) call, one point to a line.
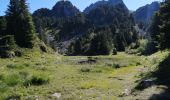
point(81, 4)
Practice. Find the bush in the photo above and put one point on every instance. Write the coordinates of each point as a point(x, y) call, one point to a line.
point(140, 50)
point(43, 48)
point(138, 63)
point(116, 65)
point(18, 53)
point(7, 54)
point(7, 44)
point(85, 70)
point(114, 51)
point(36, 80)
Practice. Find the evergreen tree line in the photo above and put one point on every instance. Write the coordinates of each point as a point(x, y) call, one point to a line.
point(160, 28)
point(111, 29)
point(98, 41)
point(16, 28)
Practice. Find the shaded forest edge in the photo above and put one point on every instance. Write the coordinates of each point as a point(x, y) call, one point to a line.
point(18, 31)
point(160, 75)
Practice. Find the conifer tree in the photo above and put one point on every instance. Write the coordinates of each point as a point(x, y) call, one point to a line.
point(154, 31)
point(12, 15)
point(101, 44)
point(7, 42)
point(20, 23)
point(2, 26)
point(78, 47)
point(165, 25)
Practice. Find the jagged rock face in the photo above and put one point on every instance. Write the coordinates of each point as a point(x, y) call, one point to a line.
point(145, 13)
point(64, 9)
point(104, 2)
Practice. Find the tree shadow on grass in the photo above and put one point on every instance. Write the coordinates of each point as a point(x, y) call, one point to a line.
point(162, 77)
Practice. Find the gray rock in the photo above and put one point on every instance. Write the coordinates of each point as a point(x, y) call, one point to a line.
point(147, 83)
point(56, 95)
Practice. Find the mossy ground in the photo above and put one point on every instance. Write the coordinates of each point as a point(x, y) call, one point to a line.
point(39, 75)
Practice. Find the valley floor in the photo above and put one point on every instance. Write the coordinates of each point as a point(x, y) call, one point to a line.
point(48, 76)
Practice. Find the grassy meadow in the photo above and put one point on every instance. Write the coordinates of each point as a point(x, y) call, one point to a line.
point(37, 76)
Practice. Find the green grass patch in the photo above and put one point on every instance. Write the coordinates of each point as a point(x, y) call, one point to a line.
point(15, 66)
point(12, 79)
point(3, 87)
point(39, 75)
point(88, 85)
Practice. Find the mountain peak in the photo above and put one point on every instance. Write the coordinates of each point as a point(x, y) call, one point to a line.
point(64, 8)
point(104, 2)
point(64, 2)
point(115, 2)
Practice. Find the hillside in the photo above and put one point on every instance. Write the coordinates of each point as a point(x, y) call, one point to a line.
point(67, 30)
point(144, 15)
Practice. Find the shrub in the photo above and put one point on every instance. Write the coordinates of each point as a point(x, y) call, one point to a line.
point(36, 80)
point(114, 52)
point(98, 71)
point(43, 48)
point(138, 63)
point(18, 53)
point(85, 70)
point(27, 65)
point(140, 50)
point(116, 66)
point(7, 54)
point(7, 44)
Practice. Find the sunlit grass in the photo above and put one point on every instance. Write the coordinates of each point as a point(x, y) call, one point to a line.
point(39, 75)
